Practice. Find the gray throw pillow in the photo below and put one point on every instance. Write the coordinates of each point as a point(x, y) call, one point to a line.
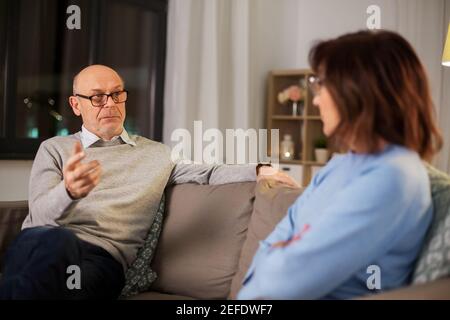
point(139, 276)
point(434, 260)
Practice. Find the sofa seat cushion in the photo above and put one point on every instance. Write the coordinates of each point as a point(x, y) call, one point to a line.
point(201, 239)
point(434, 290)
point(12, 215)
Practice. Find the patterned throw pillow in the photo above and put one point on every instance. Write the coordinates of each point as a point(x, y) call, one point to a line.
point(434, 260)
point(139, 277)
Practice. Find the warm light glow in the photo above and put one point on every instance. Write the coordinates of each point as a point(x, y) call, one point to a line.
point(287, 154)
point(446, 54)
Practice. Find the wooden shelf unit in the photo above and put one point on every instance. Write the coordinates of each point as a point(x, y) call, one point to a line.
point(305, 128)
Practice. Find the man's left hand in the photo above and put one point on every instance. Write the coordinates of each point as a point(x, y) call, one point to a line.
point(270, 173)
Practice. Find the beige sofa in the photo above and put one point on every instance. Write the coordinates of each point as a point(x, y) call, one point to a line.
point(209, 236)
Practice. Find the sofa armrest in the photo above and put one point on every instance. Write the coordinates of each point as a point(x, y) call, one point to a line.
point(435, 290)
point(12, 214)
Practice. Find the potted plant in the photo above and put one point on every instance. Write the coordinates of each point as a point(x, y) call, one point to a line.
point(320, 150)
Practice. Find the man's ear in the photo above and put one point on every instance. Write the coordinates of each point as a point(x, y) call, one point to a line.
point(74, 103)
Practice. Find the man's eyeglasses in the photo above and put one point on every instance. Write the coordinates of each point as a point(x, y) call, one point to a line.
point(99, 100)
point(315, 84)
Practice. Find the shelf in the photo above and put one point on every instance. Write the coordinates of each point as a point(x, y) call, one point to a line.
point(291, 161)
point(307, 163)
point(288, 118)
point(313, 163)
point(305, 128)
point(296, 118)
point(291, 73)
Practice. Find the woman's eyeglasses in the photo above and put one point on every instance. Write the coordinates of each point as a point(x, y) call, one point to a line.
point(315, 83)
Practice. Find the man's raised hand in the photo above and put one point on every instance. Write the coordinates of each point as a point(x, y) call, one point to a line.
point(80, 178)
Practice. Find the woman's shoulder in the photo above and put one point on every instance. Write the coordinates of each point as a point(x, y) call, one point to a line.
point(402, 168)
point(401, 160)
point(397, 167)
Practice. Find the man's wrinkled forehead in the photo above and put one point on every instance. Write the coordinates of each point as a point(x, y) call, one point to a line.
point(97, 79)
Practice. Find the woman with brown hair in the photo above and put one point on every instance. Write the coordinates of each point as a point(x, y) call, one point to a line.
point(367, 211)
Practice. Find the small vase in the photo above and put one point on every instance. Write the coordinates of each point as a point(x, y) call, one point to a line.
point(294, 108)
point(297, 108)
point(287, 148)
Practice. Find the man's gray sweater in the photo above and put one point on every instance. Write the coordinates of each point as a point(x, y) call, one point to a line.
point(117, 214)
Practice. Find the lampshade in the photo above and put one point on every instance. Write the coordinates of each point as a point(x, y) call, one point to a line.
point(446, 54)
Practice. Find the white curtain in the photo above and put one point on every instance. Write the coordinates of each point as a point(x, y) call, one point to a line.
point(219, 53)
point(208, 65)
point(424, 24)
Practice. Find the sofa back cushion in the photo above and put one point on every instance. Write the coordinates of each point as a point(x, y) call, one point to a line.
point(434, 260)
point(203, 232)
point(272, 201)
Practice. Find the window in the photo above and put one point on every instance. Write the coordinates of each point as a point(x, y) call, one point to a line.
point(40, 56)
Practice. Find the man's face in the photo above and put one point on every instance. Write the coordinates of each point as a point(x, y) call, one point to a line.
point(105, 121)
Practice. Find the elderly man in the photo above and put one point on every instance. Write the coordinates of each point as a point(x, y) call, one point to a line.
point(92, 198)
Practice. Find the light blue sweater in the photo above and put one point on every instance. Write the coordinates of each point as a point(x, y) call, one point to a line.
point(359, 210)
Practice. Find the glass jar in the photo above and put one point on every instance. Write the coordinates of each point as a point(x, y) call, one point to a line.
point(287, 148)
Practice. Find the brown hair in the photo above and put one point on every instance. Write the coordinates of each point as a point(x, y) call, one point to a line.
point(381, 91)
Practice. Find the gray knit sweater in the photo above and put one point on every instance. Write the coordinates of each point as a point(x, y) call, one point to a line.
point(118, 212)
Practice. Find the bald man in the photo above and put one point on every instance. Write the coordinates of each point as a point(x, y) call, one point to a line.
point(93, 196)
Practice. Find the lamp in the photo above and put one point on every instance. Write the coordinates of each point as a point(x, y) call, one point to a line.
point(446, 54)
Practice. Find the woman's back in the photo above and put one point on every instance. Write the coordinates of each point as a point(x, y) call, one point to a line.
point(359, 211)
point(393, 190)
